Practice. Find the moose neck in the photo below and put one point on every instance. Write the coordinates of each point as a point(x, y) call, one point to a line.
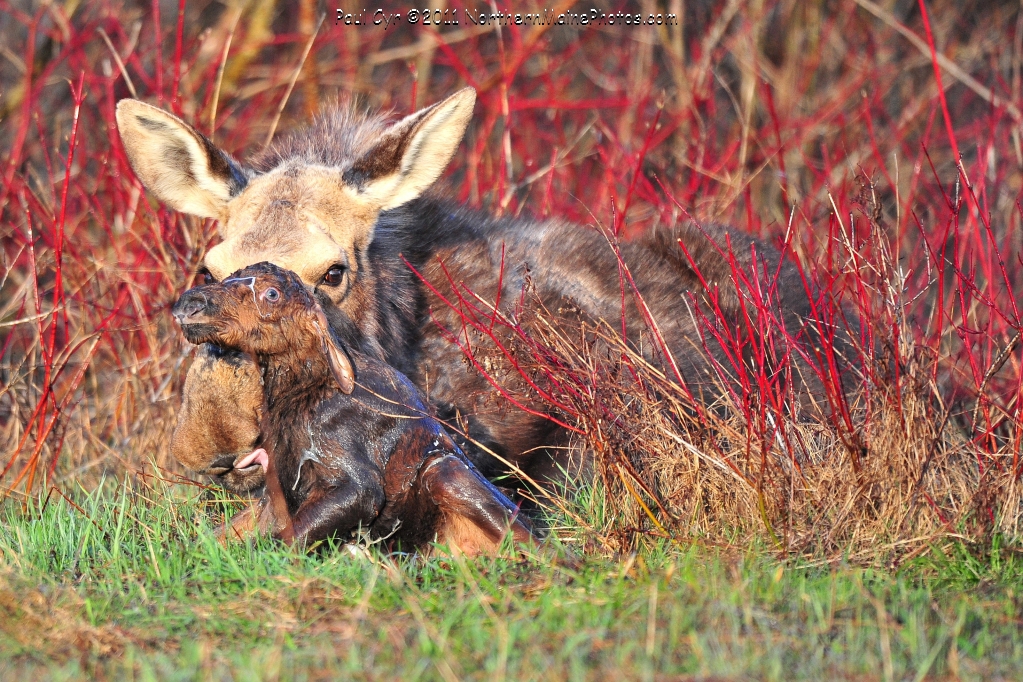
point(292, 381)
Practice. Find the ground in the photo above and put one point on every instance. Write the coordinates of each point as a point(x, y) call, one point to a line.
point(129, 581)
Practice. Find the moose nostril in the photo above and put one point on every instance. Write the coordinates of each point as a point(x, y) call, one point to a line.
point(221, 466)
point(224, 462)
point(188, 308)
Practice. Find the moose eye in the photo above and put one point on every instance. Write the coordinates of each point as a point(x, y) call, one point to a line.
point(272, 295)
point(334, 276)
point(204, 276)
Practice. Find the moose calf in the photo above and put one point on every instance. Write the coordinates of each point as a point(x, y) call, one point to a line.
point(341, 454)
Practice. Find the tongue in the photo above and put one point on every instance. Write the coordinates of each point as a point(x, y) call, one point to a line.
point(258, 455)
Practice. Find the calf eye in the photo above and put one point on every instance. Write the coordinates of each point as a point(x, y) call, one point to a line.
point(272, 295)
point(204, 276)
point(334, 275)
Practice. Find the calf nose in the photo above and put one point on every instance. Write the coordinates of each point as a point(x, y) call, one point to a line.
point(189, 305)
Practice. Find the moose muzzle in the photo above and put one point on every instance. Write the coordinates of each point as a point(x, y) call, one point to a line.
point(196, 312)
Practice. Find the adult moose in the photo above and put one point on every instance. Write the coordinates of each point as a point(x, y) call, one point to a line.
point(345, 203)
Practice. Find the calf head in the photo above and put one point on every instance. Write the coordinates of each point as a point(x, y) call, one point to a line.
point(263, 310)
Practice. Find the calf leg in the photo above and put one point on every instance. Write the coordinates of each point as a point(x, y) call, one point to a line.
point(476, 516)
point(334, 510)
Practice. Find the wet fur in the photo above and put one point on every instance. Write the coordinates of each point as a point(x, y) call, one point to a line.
point(372, 458)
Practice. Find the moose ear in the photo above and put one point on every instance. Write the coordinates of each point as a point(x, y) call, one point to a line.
point(176, 162)
point(341, 366)
point(412, 153)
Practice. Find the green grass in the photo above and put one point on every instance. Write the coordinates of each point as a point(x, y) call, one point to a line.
point(133, 584)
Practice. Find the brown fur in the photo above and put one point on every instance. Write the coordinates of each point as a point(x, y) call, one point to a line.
point(342, 455)
point(348, 192)
point(210, 439)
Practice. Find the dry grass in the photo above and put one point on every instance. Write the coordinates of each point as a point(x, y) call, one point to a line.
point(878, 470)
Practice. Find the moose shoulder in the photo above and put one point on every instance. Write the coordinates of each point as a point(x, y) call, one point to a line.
point(344, 204)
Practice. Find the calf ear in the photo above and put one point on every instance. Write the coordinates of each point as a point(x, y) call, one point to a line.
point(412, 153)
point(341, 366)
point(176, 162)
